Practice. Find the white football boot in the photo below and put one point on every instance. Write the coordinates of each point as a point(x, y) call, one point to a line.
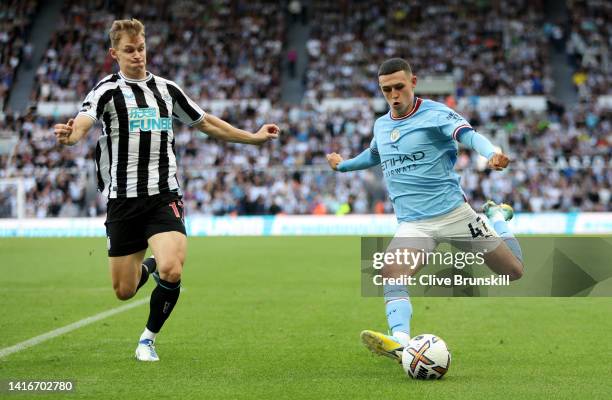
point(146, 351)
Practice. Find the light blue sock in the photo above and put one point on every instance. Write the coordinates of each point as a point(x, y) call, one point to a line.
point(398, 308)
point(502, 229)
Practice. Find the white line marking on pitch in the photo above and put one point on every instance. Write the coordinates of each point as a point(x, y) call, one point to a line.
point(69, 328)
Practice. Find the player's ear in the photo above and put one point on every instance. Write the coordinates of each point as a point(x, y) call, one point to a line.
point(413, 80)
point(113, 53)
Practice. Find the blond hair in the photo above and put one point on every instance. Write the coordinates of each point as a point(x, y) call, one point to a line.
point(132, 27)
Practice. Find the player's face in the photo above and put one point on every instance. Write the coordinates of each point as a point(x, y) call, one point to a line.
point(398, 89)
point(131, 54)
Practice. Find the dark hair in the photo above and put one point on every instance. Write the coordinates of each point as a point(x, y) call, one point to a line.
point(393, 65)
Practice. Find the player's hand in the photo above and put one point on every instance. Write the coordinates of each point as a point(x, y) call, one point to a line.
point(63, 132)
point(267, 132)
point(334, 159)
point(498, 161)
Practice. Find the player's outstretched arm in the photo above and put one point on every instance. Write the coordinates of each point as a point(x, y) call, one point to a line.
point(219, 129)
point(474, 140)
point(364, 160)
point(74, 130)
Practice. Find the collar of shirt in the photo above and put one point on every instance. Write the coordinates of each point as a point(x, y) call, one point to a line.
point(148, 76)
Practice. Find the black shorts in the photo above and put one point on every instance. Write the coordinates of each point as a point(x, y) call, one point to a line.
point(131, 222)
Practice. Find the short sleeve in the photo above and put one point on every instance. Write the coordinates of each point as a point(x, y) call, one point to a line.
point(183, 108)
point(452, 124)
point(96, 101)
point(89, 106)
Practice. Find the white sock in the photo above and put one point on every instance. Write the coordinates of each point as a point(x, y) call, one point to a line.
point(402, 337)
point(147, 334)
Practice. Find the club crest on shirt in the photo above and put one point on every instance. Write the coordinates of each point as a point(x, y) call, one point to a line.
point(395, 134)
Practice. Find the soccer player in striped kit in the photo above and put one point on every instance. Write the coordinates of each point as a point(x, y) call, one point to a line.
point(136, 168)
point(415, 144)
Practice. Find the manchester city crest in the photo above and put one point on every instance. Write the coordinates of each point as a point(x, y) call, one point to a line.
point(395, 134)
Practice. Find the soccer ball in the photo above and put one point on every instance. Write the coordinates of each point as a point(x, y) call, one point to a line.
point(426, 357)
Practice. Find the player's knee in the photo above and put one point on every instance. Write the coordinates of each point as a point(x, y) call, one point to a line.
point(171, 276)
point(171, 270)
point(123, 292)
point(516, 272)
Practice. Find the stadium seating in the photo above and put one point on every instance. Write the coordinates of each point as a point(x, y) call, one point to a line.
point(211, 63)
point(561, 157)
point(588, 46)
point(488, 48)
point(15, 20)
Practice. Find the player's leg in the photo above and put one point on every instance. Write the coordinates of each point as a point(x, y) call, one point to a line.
point(398, 307)
point(503, 262)
point(127, 275)
point(508, 257)
point(167, 239)
point(410, 241)
point(470, 232)
point(170, 249)
point(126, 249)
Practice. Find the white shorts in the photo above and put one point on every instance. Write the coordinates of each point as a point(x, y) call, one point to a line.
point(462, 227)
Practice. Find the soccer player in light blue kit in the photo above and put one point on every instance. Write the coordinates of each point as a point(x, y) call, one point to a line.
point(415, 143)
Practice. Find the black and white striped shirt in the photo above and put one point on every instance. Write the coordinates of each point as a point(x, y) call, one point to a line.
point(135, 153)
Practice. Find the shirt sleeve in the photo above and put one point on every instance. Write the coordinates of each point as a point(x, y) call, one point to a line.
point(476, 141)
point(374, 147)
point(89, 106)
point(183, 108)
point(364, 160)
point(452, 124)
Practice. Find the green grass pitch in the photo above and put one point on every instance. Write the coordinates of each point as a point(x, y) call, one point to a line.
point(280, 317)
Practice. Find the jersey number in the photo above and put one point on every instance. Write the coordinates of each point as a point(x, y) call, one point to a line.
point(175, 207)
point(476, 231)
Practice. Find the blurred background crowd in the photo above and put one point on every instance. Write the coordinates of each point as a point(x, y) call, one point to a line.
point(230, 51)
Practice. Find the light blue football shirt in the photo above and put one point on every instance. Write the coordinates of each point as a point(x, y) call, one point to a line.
point(417, 155)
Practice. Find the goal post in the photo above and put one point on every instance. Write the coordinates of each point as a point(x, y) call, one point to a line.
point(12, 198)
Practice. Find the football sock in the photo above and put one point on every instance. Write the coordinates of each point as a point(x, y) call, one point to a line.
point(147, 334)
point(501, 227)
point(402, 337)
point(164, 297)
point(398, 309)
point(144, 277)
point(148, 266)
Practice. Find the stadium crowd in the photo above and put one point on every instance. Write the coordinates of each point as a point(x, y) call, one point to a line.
point(560, 162)
point(588, 46)
point(234, 60)
point(561, 158)
point(15, 23)
point(489, 48)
